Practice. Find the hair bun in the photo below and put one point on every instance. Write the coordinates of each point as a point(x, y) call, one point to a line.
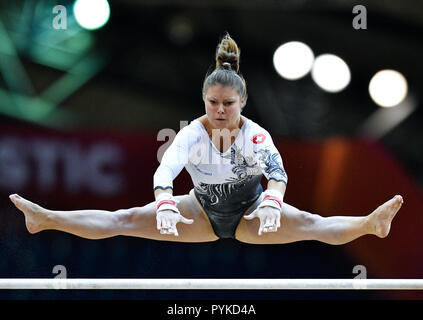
point(227, 54)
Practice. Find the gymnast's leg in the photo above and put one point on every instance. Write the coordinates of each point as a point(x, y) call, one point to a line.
point(99, 224)
point(297, 225)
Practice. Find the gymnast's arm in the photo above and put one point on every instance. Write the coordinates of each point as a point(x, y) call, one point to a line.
point(173, 161)
point(277, 185)
point(270, 209)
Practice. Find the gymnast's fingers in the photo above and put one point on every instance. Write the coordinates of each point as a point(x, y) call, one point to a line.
point(186, 221)
point(171, 227)
point(173, 230)
point(269, 222)
point(278, 222)
point(159, 222)
point(261, 227)
point(252, 215)
point(167, 224)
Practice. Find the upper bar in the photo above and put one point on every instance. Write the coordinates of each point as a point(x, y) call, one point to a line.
point(214, 284)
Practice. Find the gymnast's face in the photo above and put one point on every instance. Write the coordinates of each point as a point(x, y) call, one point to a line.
point(223, 107)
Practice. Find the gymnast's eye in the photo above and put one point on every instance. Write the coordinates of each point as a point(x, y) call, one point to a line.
point(228, 103)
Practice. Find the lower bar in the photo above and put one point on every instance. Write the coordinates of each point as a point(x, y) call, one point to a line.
point(214, 284)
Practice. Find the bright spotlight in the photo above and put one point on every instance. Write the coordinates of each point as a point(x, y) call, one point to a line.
point(293, 60)
point(388, 88)
point(331, 73)
point(91, 14)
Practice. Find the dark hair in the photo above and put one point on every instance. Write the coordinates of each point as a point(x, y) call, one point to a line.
point(226, 72)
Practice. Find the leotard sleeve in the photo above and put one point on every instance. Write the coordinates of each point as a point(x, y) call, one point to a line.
point(269, 157)
point(173, 161)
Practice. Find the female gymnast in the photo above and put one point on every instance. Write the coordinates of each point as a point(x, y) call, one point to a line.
point(226, 155)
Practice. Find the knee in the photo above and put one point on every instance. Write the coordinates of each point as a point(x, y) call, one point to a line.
point(321, 229)
point(125, 217)
point(309, 220)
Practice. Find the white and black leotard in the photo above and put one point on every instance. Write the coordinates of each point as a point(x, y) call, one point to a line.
point(225, 183)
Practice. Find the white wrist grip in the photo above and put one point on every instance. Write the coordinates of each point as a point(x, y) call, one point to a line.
point(272, 203)
point(165, 201)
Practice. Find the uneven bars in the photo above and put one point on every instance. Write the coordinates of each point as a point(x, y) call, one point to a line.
point(213, 284)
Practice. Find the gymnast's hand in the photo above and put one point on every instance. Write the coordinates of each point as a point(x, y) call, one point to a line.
point(168, 215)
point(270, 218)
point(167, 220)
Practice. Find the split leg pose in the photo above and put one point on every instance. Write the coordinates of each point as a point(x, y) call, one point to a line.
point(296, 225)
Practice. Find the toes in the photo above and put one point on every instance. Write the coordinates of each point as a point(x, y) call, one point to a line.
point(23, 204)
point(14, 197)
point(399, 199)
point(393, 204)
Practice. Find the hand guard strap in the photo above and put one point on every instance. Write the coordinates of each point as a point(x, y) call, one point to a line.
point(165, 201)
point(272, 198)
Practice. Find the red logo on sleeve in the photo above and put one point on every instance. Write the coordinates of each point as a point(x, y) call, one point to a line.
point(258, 138)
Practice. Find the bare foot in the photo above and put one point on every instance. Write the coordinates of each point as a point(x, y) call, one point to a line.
point(380, 219)
point(35, 216)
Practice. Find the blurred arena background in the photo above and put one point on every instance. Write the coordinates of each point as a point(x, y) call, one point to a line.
point(81, 111)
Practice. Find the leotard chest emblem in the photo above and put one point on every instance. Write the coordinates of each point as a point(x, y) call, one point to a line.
point(258, 138)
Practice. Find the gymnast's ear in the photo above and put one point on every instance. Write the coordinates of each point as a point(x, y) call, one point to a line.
point(242, 102)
